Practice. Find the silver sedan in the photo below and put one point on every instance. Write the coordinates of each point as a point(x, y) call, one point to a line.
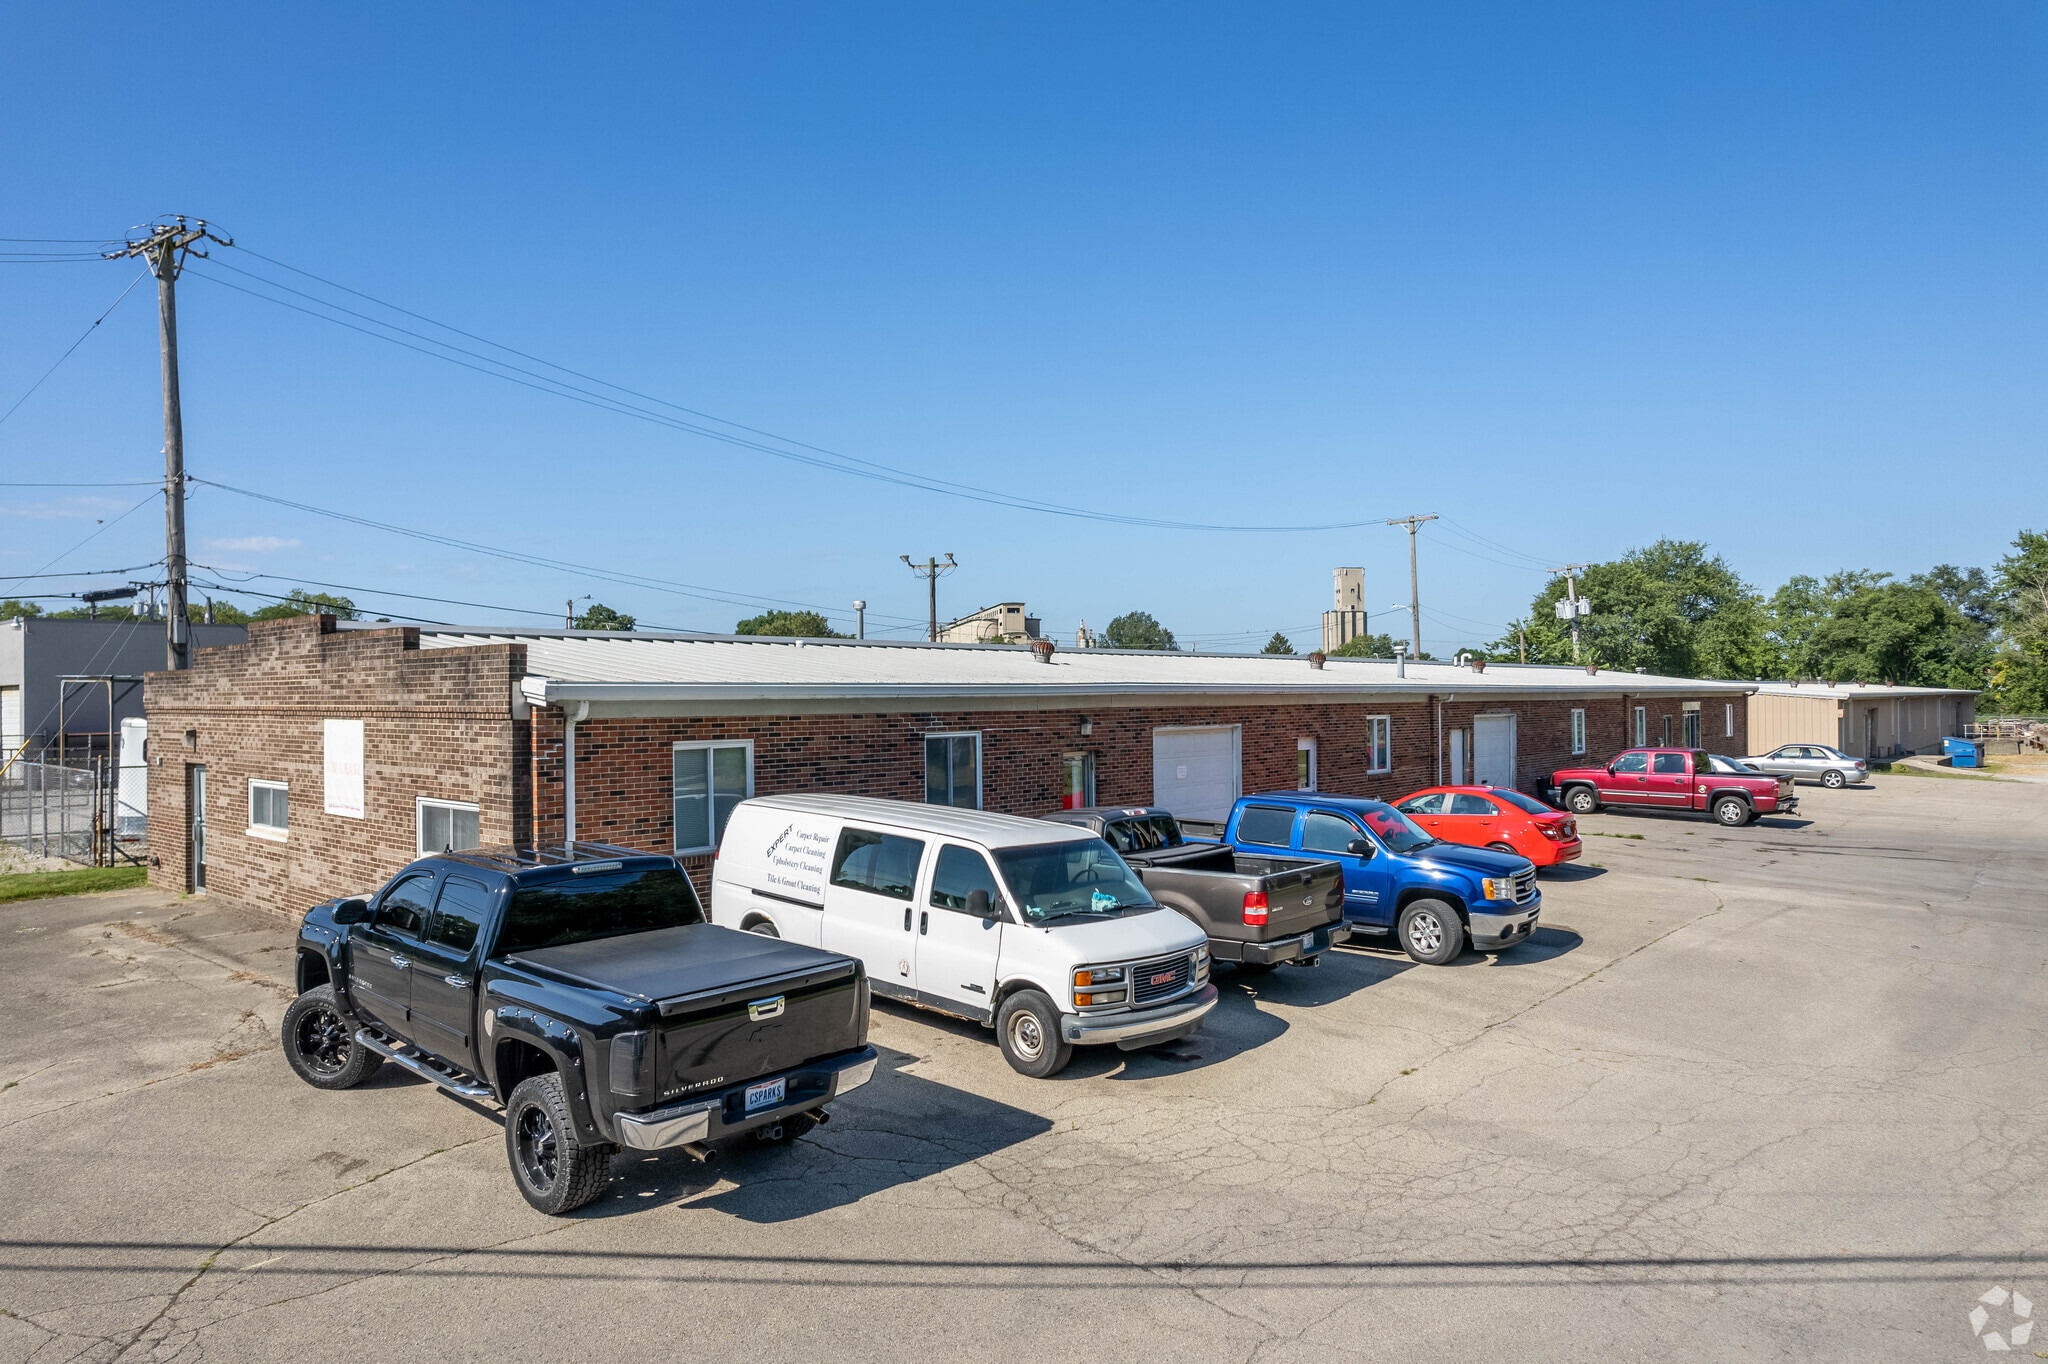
point(1831, 767)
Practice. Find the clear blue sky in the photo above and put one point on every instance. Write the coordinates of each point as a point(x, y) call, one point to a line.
point(1575, 277)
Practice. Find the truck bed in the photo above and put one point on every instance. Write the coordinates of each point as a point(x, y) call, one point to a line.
point(1209, 882)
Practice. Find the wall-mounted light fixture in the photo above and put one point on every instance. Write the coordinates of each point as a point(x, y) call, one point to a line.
point(1087, 726)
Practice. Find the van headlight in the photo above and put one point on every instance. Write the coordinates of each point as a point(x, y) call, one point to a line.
point(1499, 887)
point(1199, 964)
point(1095, 985)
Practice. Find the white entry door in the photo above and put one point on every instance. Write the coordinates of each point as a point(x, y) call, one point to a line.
point(1195, 772)
point(1493, 750)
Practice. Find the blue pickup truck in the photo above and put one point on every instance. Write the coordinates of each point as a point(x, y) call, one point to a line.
point(1433, 897)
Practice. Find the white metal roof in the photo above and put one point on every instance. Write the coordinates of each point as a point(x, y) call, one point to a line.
point(621, 674)
point(944, 821)
point(1844, 691)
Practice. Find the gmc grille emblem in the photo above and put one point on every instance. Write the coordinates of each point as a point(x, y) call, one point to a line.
point(765, 1008)
point(1161, 978)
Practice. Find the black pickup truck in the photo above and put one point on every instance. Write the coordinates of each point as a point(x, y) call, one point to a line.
point(583, 989)
point(1258, 911)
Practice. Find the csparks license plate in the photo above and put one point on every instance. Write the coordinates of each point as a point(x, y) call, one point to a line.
point(767, 1094)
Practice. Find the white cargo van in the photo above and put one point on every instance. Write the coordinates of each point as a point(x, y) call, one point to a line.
point(1038, 930)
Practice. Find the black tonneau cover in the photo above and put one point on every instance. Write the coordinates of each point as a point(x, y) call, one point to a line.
point(689, 960)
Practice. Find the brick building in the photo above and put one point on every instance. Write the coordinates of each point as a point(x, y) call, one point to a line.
point(323, 758)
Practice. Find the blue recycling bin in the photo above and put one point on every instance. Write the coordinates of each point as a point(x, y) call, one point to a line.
point(1963, 752)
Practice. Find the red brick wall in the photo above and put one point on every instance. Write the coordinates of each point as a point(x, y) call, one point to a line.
point(436, 723)
point(624, 772)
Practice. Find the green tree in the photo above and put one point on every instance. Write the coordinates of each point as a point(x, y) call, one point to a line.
point(224, 613)
point(789, 625)
point(1366, 646)
point(1137, 630)
point(1669, 608)
point(1278, 644)
point(2019, 669)
point(300, 602)
point(602, 617)
point(1890, 632)
point(12, 609)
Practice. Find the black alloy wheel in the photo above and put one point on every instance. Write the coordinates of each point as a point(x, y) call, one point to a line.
point(320, 1044)
point(323, 1040)
point(538, 1158)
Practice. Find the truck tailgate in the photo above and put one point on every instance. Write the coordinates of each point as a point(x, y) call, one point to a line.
point(1298, 897)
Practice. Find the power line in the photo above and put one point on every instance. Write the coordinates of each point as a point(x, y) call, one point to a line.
point(748, 601)
point(233, 587)
point(139, 277)
point(784, 448)
point(129, 483)
point(1459, 528)
point(103, 529)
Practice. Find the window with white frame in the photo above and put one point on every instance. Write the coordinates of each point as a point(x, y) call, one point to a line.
point(1304, 764)
point(1381, 733)
point(1578, 731)
point(1731, 720)
point(710, 778)
point(446, 825)
point(952, 770)
point(1642, 725)
point(267, 803)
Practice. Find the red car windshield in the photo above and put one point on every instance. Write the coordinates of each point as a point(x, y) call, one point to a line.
point(1400, 833)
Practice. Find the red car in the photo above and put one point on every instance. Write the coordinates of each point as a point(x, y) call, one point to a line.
point(1494, 817)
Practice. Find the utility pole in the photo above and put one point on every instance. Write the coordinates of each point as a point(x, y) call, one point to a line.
point(931, 570)
point(165, 248)
point(1571, 608)
point(860, 620)
point(1414, 588)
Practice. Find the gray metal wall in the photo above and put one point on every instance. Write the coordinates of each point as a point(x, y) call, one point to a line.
point(35, 653)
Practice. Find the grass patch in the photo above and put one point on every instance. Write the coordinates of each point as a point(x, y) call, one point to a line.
point(40, 885)
point(1945, 774)
point(1595, 833)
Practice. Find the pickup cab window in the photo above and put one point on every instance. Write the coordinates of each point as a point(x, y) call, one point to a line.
point(406, 905)
point(459, 915)
point(1667, 764)
point(959, 873)
point(1324, 832)
point(598, 905)
point(1272, 825)
point(1632, 762)
point(1077, 878)
point(1147, 834)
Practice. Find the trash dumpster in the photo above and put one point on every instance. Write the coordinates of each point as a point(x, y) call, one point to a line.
point(1963, 752)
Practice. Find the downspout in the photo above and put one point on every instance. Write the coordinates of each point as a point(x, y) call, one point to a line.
point(570, 719)
point(1439, 739)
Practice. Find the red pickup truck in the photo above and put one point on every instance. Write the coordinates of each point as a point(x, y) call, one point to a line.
point(1671, 779)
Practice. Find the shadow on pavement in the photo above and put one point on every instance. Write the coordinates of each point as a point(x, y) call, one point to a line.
point(897, 1129)
point(1570, 871)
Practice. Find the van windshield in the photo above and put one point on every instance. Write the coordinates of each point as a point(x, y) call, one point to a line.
point(604, 905)
point(1076, 878)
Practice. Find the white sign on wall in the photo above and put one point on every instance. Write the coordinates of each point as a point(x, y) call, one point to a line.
point(342, 762)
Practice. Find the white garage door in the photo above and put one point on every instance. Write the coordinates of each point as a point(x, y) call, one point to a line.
point(1195, 771)
point(1493, 750)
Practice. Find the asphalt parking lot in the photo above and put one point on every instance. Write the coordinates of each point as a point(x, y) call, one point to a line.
point(1771, 1093)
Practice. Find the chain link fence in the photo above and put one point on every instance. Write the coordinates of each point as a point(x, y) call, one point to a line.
point(67, 812)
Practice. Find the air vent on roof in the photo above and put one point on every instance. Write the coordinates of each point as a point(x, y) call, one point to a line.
point(1041, 649)
point(1317, 659)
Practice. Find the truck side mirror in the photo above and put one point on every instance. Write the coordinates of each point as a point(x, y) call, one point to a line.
point(1359, 847)
point(979, 905)
point(352, 912)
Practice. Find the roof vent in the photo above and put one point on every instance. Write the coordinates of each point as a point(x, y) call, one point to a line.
point(1641, 669)
point(1478, 664)
point(1317, 659)
point(1041, 649)
point(1592, 670)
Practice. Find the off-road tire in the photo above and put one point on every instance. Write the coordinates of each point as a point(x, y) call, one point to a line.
point(321, 1045)
point(1833, 780)
point(1732, 812)
point(1028, 1029)
point(555, 1172)
point(1430, 931)
point(1581, 800)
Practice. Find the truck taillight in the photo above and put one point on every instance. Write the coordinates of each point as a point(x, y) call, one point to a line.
point(1255, 907)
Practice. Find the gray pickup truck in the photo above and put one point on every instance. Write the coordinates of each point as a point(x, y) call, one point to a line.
point(1258, 911)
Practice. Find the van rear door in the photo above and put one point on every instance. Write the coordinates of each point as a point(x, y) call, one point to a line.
point(869, 905)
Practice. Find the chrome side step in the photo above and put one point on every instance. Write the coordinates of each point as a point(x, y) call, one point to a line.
point(423, 1066)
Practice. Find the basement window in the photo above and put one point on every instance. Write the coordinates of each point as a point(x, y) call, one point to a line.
point(710, 779)
point(267, 813)
point(447, 826)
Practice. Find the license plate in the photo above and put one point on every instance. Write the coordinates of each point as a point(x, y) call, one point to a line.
point(767, 1094)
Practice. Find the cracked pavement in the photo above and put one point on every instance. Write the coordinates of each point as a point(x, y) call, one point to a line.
point(1777, 1093)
